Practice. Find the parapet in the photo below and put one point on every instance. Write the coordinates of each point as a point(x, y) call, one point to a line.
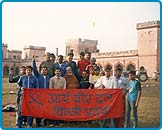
point(150, 24)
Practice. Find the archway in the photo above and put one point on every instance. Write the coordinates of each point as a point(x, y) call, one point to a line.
point(130, 67)
point(5, 70)
point(119, 66)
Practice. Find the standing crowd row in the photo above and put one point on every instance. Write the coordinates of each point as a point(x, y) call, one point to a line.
point(85, 74)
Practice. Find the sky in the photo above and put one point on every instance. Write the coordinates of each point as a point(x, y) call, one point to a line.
point(50, 24)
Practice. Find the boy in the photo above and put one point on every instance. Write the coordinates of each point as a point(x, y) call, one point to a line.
point(133, 99)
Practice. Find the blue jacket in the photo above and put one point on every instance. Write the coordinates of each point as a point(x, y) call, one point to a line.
point(28, 82)
point(62, 67)
point(43, 81)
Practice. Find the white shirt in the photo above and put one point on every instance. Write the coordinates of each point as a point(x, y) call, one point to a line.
point(107, 82)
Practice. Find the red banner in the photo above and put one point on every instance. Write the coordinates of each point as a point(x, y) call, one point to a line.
point(73, 104)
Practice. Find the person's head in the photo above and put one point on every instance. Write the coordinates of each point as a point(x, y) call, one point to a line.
point(88, 55)
point(60, 58)
point(70, 56)
point(118, 72)
point(96, 70)
point(107, 71)
point(102, 73)
point(82, 54)
point(29, 69)
point(44, 70)
point(58, 72)
point(85, 74)
point(52, 57)
point(69, 70)
point(22, 70)
point(132, 75)
point(47, 55)
point(93, 60)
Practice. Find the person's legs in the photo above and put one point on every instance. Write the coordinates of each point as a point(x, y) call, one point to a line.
point(135, 116)
point(19, 117)
point(128, 115)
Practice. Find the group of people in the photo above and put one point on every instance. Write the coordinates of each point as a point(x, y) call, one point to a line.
point(83, 74)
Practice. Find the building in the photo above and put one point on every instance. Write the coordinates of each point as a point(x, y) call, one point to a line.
point(29, 51)
point(147, 53)
point(78, 45)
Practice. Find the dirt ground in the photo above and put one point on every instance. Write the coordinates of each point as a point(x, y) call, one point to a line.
point(148, 110)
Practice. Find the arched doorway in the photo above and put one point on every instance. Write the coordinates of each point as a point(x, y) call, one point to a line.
point(16, 70)
point(130, 67)
point(119, 66)
point(5, 70)
point(108, 66)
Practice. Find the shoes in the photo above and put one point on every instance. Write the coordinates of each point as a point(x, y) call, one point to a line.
point(51, 125)
point(29, 126)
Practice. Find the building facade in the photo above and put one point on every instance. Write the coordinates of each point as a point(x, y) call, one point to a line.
point(147, 53)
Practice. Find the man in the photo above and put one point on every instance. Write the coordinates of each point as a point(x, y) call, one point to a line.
point(92, 65)
point(84, 83)
point(61, 64)
point(88, 55)
point(82, 63)
point(123, 83)
point(49, 64)
point(43, 81)
point(57, 82)
point(26, 81)
point(106, 82)
point(15, 79)
point(73, 65)
point(52, 57)
point(133, 99)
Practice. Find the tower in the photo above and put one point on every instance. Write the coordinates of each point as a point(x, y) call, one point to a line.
point(148, 44)
point(78, 45)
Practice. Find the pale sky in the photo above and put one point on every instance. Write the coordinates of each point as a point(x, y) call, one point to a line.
point(50, 24)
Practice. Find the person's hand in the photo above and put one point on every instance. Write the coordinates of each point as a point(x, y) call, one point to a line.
point(34, 57)
point(136, 104)
point(102, 86)
point(22, 88)
point(11, 72)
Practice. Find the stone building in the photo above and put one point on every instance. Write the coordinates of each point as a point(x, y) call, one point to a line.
point(78, 45)
point(29, 51)
point(13, 59)
point(147, 53)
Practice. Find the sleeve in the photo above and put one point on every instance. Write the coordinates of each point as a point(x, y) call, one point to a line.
point(20, 83)
point(51, 85)
point(14, 79)
point(40, 66)
point(91, 79)
point(64, 84)
point(35, 71)
point(139, 86)
point(37, 84)
point(98, 83)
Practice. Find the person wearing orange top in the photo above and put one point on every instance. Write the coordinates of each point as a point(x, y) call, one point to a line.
point(71, 80)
